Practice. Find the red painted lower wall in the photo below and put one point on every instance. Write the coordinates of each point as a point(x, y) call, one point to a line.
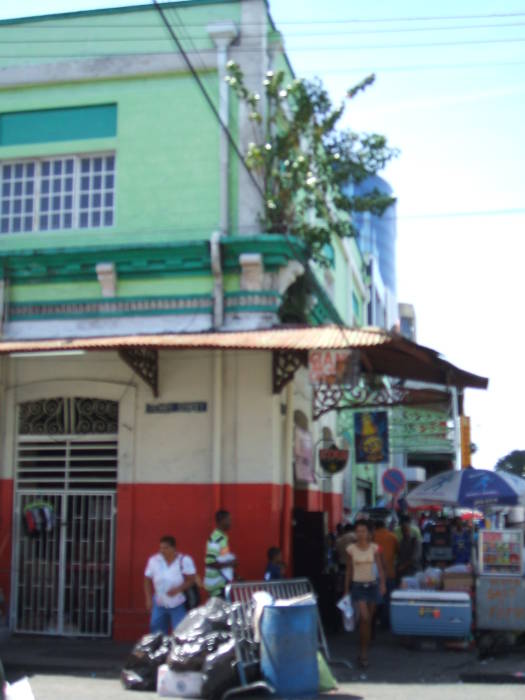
point(6, 535)
point(148, 511)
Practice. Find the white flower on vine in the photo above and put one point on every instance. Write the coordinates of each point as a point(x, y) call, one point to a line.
point(271, 204)
point(336, 156)
point(256, 97)
point(269, 74)
point(231, 64)
point(283, 94)
point(311, 180)
point(268, 146)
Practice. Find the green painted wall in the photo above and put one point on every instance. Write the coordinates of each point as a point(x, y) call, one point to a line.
point(167, 148)
point(121, 31)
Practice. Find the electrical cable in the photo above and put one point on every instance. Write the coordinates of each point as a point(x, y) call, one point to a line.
point(231, 140)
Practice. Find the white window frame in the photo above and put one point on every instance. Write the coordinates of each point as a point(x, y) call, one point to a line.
point(76, 193)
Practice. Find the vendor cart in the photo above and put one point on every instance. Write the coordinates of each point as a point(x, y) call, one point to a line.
point(500, 585)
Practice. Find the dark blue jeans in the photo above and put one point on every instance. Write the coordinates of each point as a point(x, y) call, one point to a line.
point(166, 619)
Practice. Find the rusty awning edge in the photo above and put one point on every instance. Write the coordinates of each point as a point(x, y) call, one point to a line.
point(287, 339)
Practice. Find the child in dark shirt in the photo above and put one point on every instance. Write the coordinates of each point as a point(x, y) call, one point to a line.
point(275, 567)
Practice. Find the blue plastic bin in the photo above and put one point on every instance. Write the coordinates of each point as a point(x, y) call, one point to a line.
point(289, 649)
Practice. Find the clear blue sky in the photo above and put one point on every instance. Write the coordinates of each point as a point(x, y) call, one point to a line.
point(450, 94)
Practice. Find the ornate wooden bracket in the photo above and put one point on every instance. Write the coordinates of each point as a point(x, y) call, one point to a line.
point(340, 397)
point(285, 364)
point(145, 363)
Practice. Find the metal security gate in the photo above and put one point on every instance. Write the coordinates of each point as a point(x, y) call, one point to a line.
point(64, 517)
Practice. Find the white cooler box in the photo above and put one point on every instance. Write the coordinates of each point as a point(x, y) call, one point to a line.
point(431, 613)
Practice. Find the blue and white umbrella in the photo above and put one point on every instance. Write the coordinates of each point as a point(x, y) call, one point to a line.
point(469, 488)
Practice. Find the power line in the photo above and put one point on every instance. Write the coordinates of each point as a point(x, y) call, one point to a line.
point(307, 271)
point(289, 35)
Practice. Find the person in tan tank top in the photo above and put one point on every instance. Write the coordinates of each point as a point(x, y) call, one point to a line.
point(363, 565)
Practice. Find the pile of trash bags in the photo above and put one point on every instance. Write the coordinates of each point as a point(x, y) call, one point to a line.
point(198, 660)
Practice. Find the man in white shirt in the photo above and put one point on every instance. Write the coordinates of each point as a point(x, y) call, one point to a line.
point(168, 574)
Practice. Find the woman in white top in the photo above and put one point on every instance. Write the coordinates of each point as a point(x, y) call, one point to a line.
point(363, 567)
point(168, 574)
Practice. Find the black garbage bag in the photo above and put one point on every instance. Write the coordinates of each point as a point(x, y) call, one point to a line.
point(140, 669)
point(213, 616)
point(220, 671)
point(190, 655)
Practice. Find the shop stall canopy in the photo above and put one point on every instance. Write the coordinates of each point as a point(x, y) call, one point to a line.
point(373, 352)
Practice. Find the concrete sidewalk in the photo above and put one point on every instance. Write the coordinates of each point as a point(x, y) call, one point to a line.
point(390, 661)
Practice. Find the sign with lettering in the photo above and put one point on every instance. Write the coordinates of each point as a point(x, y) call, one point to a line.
point(328, 366)
point(332, 459)
point(500, 603)
point(180, 407)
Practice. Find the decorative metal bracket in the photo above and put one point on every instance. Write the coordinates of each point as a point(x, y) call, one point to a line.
point(340, 397)
point(285, 364)
point(145, 363)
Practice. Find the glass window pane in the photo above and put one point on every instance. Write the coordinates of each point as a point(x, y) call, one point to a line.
point(19, 170)
point(44, 188)
point(57, 185)
point(95, 219)
point(30, 169)
point(84, 183)
point(68, 202)
point(18, 188)
point(110, 162)
point(56, 203)
point(55, 221)
point(5, 225)
point(17, 206)
point(108, 182)
point(57, 167)
point(29, 188)
point(45, 167)
point(84, 220)
point(6, 205)
point(97, 164)
point(28, 223)
point(84, 165)
point(68, 221)
point(108, 218)
point(69, 184)
point(69, 165)
point(6, 173)
point(6, 189)
point(44, 203)
point(28, 206)
point(17, 223)
point(84, 201)
point(108, 199)
point(97, 182)
point(96, 200)
point(44, 222)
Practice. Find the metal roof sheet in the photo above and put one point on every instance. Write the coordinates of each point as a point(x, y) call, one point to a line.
point(299, 338)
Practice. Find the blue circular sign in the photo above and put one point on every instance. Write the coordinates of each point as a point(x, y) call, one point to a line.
point(393, 481)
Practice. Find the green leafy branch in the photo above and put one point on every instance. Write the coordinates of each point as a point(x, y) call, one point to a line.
point(303, 160)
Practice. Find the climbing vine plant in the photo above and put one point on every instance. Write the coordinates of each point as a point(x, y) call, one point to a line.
point(303, 159)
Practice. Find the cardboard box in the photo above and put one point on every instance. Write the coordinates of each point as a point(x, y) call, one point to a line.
point(458, 582)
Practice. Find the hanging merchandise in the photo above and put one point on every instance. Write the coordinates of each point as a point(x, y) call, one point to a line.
point(38, 518)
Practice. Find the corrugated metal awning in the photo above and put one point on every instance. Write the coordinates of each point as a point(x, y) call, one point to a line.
point(382, 353)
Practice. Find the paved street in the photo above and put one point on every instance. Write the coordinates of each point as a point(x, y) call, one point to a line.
point(79, 688)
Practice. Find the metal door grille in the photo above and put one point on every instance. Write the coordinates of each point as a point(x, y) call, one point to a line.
point(66, 476)
point(64, 571)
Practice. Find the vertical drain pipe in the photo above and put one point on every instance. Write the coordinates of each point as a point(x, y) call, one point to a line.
point(222, 34)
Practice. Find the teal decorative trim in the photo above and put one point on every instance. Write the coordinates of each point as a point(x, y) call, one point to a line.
point(250, 301)
point(103, 308)
point(140, 260)
point(114, 10)
point(63, 124)
point(277, 250)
